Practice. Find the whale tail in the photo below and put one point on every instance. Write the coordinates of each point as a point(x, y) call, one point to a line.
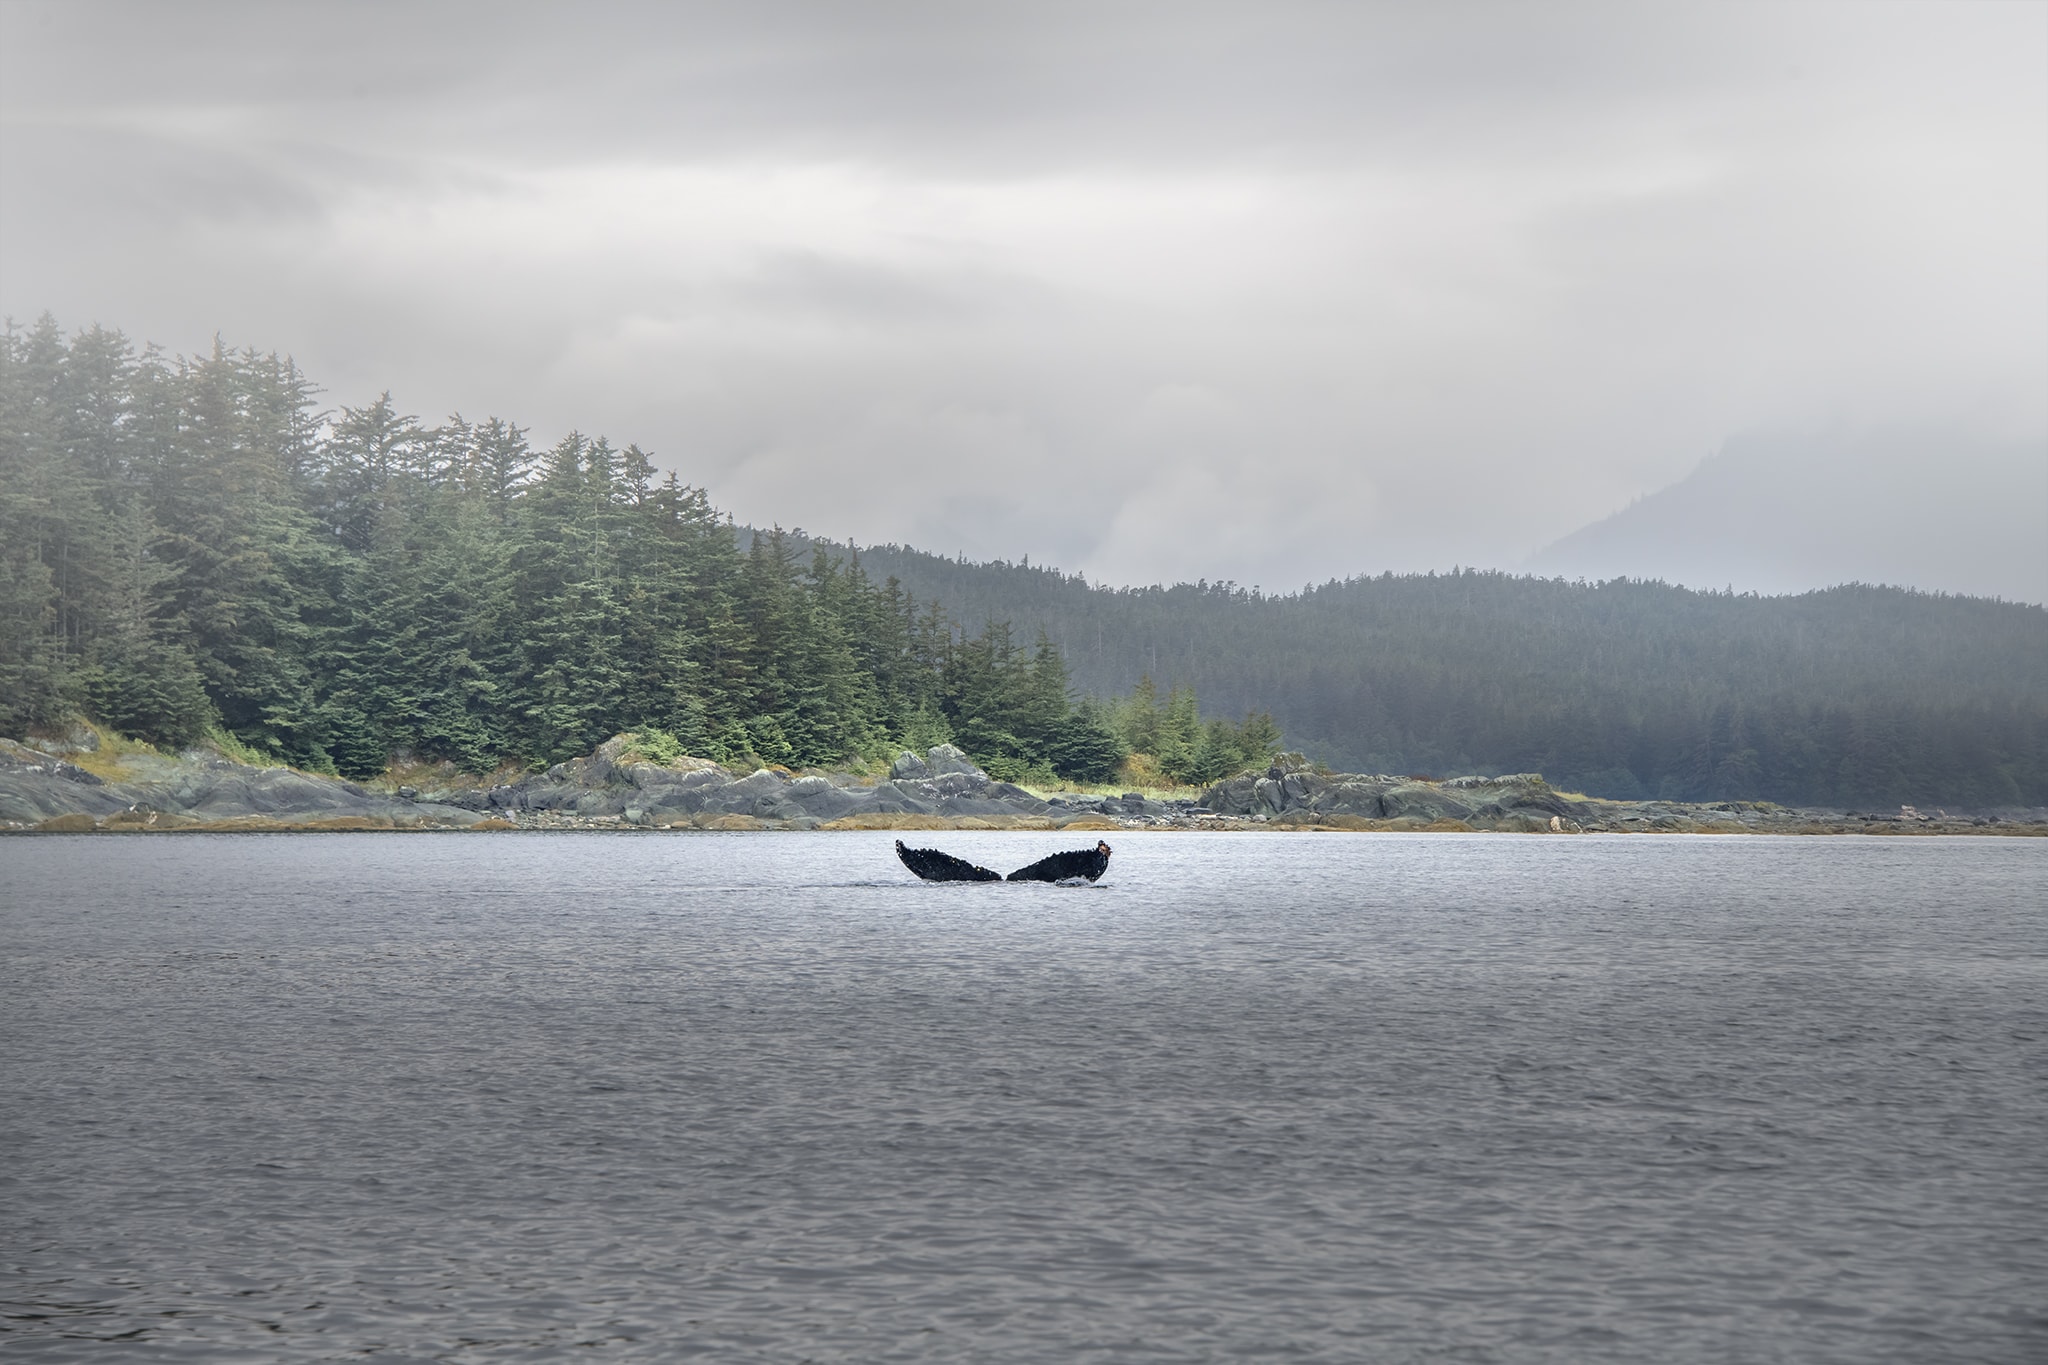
point(935, 866)
point(1084, 864)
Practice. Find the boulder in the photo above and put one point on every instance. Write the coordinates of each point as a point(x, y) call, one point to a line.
point(761, 780)
point(1301, 788)
point(947, 759)
point(1234, 795)
point(652, 776)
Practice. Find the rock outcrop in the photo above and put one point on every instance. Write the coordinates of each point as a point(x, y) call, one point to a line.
point(943, 783)
point(196, 790)
point(1293, 793)
point(68, 784)
point(1297, 792)
point(42, 789)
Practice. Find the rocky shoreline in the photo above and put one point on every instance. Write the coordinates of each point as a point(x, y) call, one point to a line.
point(1523, 803)
point(66, 785)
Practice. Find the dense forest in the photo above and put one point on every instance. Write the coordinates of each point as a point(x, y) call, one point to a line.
point(1857, 696)
point(194, 547)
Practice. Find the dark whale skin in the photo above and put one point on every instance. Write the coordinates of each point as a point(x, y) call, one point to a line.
point(935, 866)
point(1079, 864)
point(1088, 863)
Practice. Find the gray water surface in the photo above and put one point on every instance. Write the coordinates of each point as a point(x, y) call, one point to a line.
point(765, 1097)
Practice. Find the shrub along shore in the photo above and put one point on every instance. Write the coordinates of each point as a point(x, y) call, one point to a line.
point(81, 781)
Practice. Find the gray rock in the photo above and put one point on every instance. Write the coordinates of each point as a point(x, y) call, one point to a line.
point(1358, 797)
point(816, 797)
point(899, 798)
point(652, 776)
point(674, 801)
point(960, 784)
point(947, 759)
point(73, 739)
point(1301, 788)
point(978, 805)
point(908, 764)
point(437, 813)
point(760, 782)
point(1421, 801)
point(198, 785)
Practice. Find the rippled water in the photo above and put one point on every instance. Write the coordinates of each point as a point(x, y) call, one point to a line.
point(765, 1097)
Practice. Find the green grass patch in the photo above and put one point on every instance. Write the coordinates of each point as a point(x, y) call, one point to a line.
point(107, 761)
point(229, 747)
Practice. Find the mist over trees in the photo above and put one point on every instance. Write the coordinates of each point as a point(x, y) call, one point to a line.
point(192, 546)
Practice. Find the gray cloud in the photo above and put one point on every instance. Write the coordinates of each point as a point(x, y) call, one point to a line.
point(1268, 293)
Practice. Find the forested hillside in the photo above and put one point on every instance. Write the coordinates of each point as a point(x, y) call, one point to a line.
point(1853, 696)
point(195, 546)
point(192, 547)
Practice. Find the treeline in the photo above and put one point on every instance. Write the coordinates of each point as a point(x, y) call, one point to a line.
point(192, 545)
point(1857, 697)
point(1171, 745)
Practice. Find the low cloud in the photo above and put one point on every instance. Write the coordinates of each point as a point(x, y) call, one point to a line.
point(1153, 293)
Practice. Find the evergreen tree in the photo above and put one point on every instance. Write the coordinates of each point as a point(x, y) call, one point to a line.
point(1085, 746)
point(34, 676)
point(1180, 737)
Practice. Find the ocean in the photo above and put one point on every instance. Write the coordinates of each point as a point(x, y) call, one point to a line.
point(658, 1096)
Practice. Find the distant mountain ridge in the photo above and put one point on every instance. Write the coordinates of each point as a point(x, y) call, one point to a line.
point(1629, 689)
point(1783, 514)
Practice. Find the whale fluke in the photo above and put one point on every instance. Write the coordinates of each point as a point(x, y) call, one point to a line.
point(1083, 863)
point(935, 866)
point(1088, 863)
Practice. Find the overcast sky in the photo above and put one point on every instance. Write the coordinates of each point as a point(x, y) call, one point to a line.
point(1256, 291)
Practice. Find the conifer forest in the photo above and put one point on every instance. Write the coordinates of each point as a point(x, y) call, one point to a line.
point(194, 547)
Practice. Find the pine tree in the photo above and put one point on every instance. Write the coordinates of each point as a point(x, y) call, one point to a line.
point(34, 674)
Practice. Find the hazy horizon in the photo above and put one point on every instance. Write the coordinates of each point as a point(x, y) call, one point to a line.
point(1783, 513)
point(1151, 294)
